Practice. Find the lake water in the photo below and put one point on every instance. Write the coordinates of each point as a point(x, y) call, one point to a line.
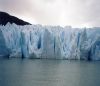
point(42, 72)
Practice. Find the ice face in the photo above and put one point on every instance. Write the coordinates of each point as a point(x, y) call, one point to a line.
point(3, 48)
point(95, 49)
point(53, 42)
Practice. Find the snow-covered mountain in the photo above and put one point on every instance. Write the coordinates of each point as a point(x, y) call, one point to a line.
point(53, 42)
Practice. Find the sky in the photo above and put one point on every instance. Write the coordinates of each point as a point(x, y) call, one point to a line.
point(75, 13)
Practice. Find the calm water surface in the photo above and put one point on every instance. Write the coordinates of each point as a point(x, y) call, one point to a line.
point(17, 72)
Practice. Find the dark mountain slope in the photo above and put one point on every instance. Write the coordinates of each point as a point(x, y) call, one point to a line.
point(5, 18)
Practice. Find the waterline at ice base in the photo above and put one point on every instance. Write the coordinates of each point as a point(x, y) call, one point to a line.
point(49, 42)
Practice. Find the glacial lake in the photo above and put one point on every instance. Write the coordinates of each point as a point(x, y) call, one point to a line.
point(43, 72)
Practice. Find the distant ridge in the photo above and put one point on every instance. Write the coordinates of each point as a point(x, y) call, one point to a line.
point(5, 18)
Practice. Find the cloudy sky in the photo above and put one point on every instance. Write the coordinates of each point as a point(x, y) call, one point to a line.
point(77, 13)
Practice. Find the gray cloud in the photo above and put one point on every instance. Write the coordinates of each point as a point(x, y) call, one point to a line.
point(55, 12)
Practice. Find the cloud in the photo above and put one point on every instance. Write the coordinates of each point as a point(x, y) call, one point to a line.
point(55, 12)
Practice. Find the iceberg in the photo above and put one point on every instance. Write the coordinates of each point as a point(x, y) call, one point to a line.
point(51, 42)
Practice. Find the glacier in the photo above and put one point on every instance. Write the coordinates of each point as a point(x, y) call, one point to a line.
point(52, 42)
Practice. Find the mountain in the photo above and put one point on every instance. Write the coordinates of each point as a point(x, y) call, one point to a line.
point(5, 18)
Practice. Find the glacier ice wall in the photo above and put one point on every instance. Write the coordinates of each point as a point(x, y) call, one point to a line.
point(53, 42)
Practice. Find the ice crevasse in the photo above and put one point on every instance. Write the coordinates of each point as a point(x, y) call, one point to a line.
point(52, 42)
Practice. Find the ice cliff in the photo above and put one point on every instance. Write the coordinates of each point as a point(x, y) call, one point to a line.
point(53, 42)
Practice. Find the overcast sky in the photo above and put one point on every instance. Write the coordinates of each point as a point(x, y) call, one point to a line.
point(77, 13)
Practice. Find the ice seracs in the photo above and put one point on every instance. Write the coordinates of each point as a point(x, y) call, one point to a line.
point(53, 42)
